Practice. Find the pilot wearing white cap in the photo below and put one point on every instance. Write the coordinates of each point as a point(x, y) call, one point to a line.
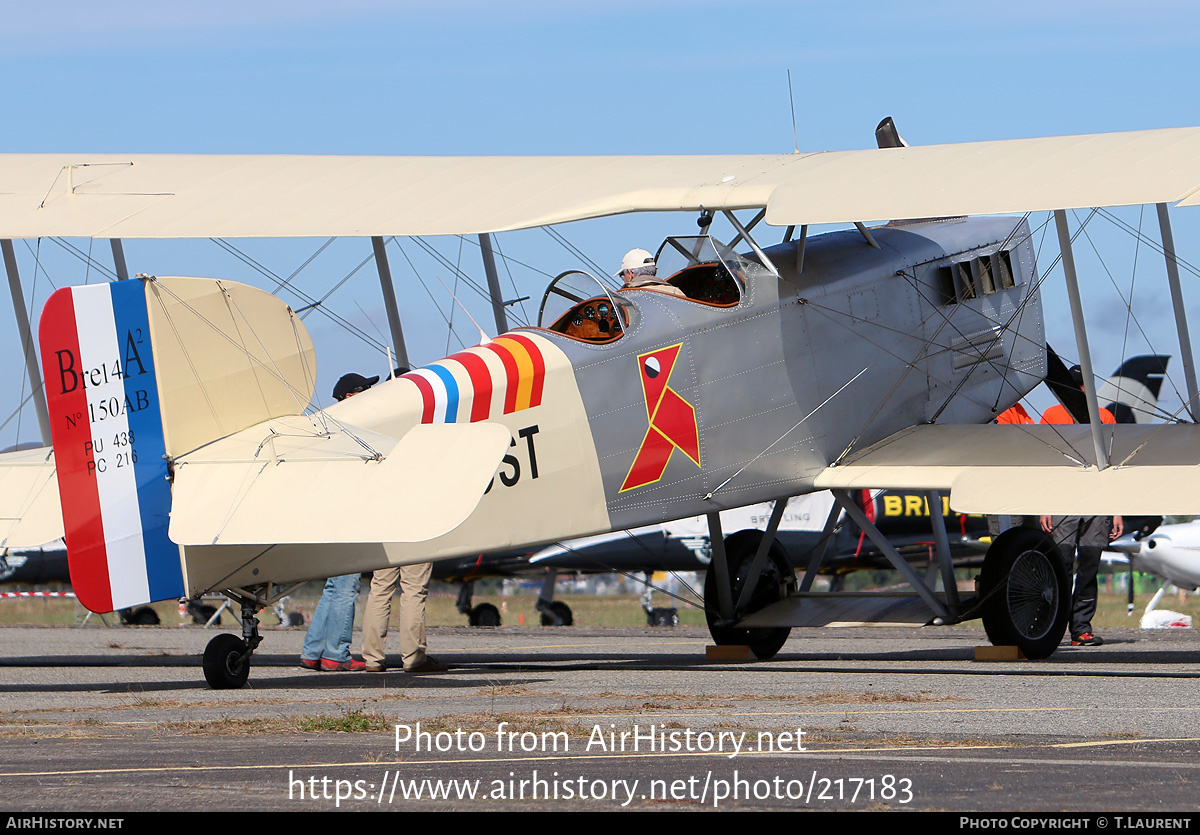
point(639, 270)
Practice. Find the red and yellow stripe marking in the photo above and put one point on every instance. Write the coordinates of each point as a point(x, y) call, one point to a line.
point(520, 377)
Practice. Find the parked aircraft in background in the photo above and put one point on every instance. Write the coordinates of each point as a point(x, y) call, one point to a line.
point(1170, 551)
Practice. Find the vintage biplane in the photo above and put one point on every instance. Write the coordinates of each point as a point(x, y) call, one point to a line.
point(188, 459)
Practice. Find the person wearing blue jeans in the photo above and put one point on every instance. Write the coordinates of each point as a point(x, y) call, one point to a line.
point(327, 644)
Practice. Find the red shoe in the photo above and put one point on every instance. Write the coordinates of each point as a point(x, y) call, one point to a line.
point(310, 663)
point(1086, 639)
point(353, 665)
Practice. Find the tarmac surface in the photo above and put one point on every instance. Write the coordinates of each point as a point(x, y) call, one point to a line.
point(120, 719)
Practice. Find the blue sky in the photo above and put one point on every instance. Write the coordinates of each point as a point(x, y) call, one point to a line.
point(465, 77)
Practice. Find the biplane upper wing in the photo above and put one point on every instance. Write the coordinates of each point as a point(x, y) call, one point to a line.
point(1035, 469)
point(185, 196)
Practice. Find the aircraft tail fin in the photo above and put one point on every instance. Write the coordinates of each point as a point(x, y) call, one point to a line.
point(1131, 394)
point(137, 373)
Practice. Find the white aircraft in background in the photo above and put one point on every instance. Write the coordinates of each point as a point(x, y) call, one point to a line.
point(1171, 552)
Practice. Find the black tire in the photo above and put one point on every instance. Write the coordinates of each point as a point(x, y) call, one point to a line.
point(740, 548)
point(562, 610)
point(485, 614)
point(226, 664)
point(1026, 599)
point(295, 619)
point(663, 617)
point(142, 616)
point(201, 612)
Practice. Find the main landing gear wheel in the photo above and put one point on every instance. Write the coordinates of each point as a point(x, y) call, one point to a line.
point(485, 614)
point(226, 662)
point(1025, 592)
point(561, 611)
point(740, 548)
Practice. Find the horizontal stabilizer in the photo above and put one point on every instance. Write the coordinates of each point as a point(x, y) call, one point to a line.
point(278, 484)
point(30, 515)
point(1036, 469)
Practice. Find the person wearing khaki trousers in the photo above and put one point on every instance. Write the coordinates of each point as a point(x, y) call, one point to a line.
point(413, 581)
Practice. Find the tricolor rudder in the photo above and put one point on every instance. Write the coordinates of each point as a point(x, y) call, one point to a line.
point(106, 423)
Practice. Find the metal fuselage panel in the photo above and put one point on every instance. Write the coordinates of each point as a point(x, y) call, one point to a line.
point(861, 344)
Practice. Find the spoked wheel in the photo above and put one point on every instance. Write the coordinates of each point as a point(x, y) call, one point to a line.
point(1026, 599)
point(226, 662)
point(740, 548)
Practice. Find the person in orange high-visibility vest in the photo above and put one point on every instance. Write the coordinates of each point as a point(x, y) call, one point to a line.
point(1014, 415)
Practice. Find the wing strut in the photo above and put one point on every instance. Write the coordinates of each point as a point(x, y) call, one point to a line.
point(493, 280)
point(31, 363)
point(389, 301)
point(1185, 340)
point(938, 523)
point(1081, 340)
point(743, 232)
point(118, 253)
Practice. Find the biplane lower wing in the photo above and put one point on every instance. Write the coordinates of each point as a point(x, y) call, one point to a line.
point(1035, 469)
point(283, 483)
point(30, 514)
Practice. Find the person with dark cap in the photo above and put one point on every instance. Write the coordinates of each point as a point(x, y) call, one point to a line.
point(327, 643)
point(351, 384)
point(1082, 538)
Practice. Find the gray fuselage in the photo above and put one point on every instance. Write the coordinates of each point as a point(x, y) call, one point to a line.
point(942, 323)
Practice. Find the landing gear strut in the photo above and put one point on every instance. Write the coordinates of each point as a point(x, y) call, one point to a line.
point(485, 614)
point(772, 585)
point(656, 616)
point(554, 612)
point(227, 657)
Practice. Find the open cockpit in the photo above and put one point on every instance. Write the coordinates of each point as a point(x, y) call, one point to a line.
point(697, 269)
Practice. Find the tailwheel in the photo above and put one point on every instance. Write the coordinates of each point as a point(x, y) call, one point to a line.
point(227, 657)
point(1025, 592)
point(740, 548)
point(226, 662)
